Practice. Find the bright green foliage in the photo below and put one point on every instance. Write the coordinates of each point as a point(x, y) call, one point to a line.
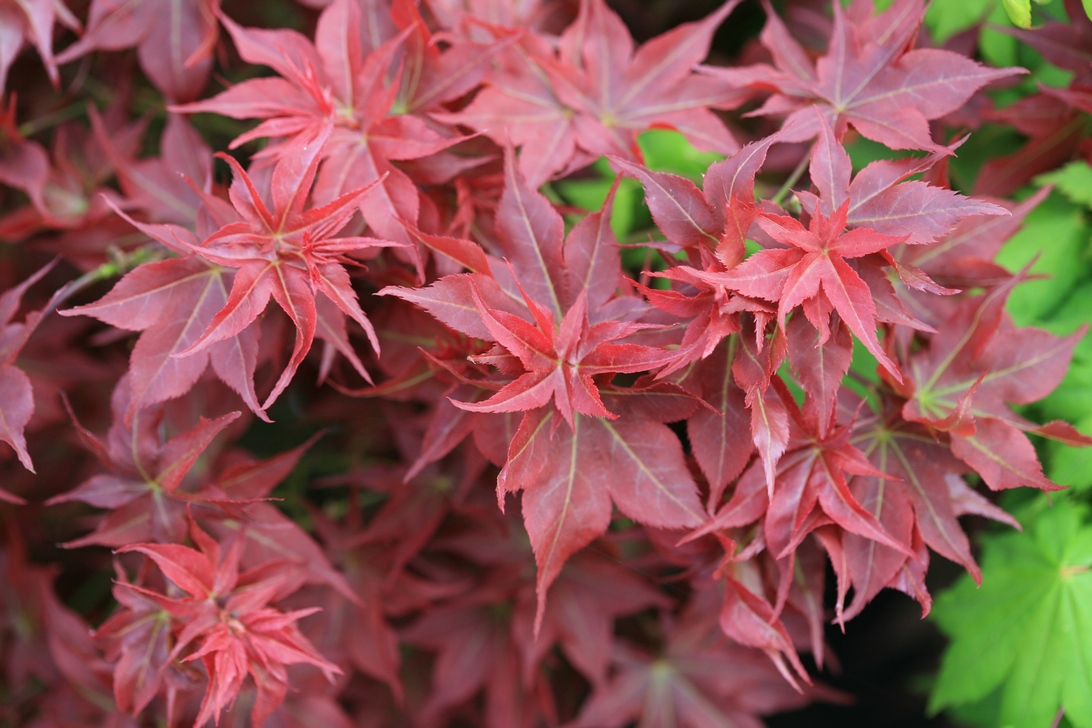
point(1074, 180)
point(1022, 643)
point(589, 194)
point(663, 151)
point(1019, 12)
point(1056, 236)
point(1028, 630)
point(1073, 465)
point(945, 18)
point(1072, 400)
point(669, 151)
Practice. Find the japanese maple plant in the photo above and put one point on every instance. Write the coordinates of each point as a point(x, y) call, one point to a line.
point(373, 422)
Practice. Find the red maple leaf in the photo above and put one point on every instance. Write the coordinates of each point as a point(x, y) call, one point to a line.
point(590, 593)
point(598, 92)
point(697, 679)
point(288, 253)
point(143, 488)
point(870, 77)
point(227, 619)
point(919, 503)
point(711, 226)
point(547, 313)
point(721, 437)
point(882, 198)
point(340, 81)
point(163, 188)
point(1052, 121)
point(571, 476)
point(559, 327)
point(813, 272)
point(73, 195)
point(809, 488)
point(476, 650)
point(137, 639)
point(174, 40)
point(970, 374)
point(24, 163)
point(561, 359)
point(16, 394)
point(31, 21)
point(964, 258)
point(173, 301)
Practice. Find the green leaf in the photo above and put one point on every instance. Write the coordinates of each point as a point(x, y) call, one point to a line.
point(1055, 233)
point(945, 18)
point(1019, 12)
point(669, 151)
point(985, 713)
point(1072, 400)
point(1074, 180)
point(1028, 629)
point(1072, 465)
point(863, 152)
point(1076, 310)
point(590, 194)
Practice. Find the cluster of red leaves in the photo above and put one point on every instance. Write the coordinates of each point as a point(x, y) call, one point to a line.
point(687, 454)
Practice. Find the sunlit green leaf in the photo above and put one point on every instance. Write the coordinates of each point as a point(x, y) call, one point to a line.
point(1019, 12)
point(1074, 180)
point(669, 151)
point(1055, 235)
point(1028, 628)
point(1072, 465)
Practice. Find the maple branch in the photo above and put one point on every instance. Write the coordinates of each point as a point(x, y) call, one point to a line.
point(68, 113)
point(119, 264)
point(645, 277)
point(550, 193)
point(793, 178)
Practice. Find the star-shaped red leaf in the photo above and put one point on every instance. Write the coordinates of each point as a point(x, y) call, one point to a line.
point(871, 77)
point(289, 252)
point(598, 92)
point(814, 272)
